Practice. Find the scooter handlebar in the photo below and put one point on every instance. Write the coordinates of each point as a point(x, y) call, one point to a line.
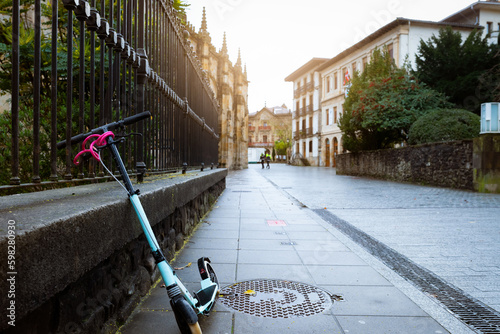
point(108, 127)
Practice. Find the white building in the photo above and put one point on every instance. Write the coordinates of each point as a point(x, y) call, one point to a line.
point(306, 117)
point(402, 38)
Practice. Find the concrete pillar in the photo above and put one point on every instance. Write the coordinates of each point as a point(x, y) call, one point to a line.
point(486, 163)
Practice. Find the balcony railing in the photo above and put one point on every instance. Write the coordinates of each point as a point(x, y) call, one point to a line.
point(264, 128)
point(310, 86)
point(251, 128)
point(260, 144)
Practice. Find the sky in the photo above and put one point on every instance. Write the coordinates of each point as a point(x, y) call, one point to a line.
point(276, 37)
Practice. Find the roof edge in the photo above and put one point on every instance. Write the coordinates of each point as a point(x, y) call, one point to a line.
point(311, 64)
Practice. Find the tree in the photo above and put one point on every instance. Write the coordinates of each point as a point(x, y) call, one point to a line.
point(455, 68)
point(383, 102)
point(444, 125)
point(181, 6)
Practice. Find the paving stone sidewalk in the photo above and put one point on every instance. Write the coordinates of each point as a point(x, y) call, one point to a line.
point(259, 232)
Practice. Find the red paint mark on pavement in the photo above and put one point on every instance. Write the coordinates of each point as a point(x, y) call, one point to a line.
point(276, 223)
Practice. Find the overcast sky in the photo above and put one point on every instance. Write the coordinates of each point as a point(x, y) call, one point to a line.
point(276, 37)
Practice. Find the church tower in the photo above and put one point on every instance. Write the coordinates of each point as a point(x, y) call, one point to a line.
point(230, 85)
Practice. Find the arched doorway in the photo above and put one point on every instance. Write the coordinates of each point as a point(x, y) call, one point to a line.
point(327, 153)
point(335, 151)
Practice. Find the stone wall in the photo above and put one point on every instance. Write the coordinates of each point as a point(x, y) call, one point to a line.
point(439, 164)
point(82, 261)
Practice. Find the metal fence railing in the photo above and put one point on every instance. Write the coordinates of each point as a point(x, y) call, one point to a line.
point(95, 63)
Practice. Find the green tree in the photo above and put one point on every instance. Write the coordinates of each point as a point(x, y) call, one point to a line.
point(181, 6)
point(454, 67)
point(444, 125)
point(383, 102)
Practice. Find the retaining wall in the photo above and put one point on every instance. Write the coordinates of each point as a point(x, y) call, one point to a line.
point(81, 262)
point(446, 164)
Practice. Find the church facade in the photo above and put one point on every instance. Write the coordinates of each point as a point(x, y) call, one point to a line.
point(230, 85)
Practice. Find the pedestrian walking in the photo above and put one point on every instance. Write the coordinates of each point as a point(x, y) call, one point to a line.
point(262, 158)
point(268, 159)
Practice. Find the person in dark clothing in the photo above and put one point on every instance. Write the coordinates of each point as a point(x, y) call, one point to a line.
point(268, 159)
point(262, 158)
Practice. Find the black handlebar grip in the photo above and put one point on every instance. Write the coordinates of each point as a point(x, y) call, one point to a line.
point(74, 140)
point(136, 118)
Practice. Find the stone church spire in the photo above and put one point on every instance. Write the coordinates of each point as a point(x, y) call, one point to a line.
point(204, 22)
point(224, 45)
point(238, 62)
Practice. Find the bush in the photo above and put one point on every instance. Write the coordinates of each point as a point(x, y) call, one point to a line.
point(444, 125)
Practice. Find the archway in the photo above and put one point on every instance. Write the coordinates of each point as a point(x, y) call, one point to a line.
point(335, 151)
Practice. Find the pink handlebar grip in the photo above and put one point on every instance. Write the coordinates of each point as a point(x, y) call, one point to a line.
point(100, 141)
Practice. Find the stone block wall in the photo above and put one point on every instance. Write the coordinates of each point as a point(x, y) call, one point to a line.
point(84, 264)
point(446, 164)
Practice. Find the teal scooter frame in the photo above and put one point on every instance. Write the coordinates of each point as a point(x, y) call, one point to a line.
point(186, 307)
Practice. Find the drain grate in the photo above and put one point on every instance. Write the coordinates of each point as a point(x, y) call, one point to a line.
point(276, 298)
point(468, 309)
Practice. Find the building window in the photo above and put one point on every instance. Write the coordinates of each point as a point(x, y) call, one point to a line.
point(297, 106)
point(310, 146)
point(354, 67)
point(390, 50)
point(335, 81)
point(327, 117)
point(328, 88)
point(334, 115)
point(344, 75)
point(250, 139)
point(264, 139)
point(365, 62)
point(489, 28)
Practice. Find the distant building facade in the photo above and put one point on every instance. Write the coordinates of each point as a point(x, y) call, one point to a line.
point(265, 127)
point(306, 117)
point(402, 38)
point(230, 85)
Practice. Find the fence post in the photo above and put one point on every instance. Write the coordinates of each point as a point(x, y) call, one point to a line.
point(53, 111)
point(15, 180)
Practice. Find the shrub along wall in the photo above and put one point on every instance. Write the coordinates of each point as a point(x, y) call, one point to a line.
point(447, 164)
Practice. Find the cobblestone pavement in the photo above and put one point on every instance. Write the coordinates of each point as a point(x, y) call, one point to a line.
point(454, 234)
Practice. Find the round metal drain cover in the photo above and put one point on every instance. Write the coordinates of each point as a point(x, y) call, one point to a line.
point(276, 298)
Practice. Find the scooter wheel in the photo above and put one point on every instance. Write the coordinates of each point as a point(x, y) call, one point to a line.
point(195, 328)
point(184, 314)
point(186, 328)
point(206, 270)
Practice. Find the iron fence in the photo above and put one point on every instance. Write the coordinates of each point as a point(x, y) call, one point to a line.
point(108, 60)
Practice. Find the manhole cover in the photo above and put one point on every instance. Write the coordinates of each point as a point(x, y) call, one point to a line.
point(276, 298)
